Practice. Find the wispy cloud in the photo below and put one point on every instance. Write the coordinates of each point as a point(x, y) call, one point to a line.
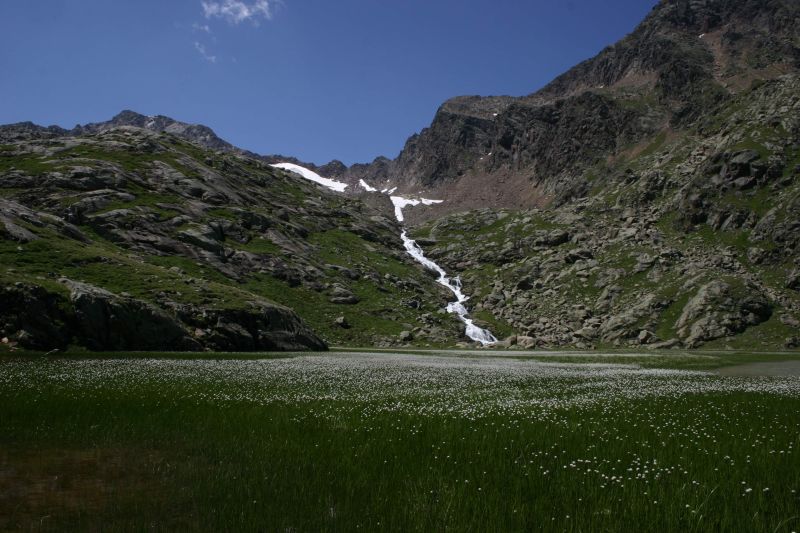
point(234, 12)
point(237, 11)
point(203, 52)
point(201, 27)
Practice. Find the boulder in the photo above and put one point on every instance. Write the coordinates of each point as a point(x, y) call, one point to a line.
point(37, 312)
point(793, 280)
point(745, 157)
point(15, 232)
point(526, 342)
point(624, 324)
point(586, 333)
point(665, 345)
point(717, 310)
point(756, 255)
point(348, 299)
point(646, 337)
point(262, 326)
point(205, 240)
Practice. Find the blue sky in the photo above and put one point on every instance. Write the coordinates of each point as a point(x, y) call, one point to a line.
point(316, 79)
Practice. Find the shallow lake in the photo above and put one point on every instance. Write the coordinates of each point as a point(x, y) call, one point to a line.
point(776, 368)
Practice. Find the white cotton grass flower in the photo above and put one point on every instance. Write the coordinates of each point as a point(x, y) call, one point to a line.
point(471, 388)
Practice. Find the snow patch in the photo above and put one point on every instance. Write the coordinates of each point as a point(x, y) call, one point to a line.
point(366, 186)
point(333, 185)
point(400, 202)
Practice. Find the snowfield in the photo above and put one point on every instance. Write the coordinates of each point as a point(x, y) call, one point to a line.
point(366, 186)
point(400, 202)
point(333, 185)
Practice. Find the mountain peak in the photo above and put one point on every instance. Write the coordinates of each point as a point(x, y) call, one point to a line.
point(128, 117)
point(196, 133)
point(683, 43)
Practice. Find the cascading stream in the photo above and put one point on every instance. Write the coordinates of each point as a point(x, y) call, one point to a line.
point(454, 284)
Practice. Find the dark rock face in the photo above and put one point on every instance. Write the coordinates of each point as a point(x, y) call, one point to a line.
point(35, 317)
point(108, 322)
point(38, 319)
point(536, 140)
point(266, 327)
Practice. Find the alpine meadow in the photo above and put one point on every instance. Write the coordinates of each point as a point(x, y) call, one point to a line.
point(575, 309)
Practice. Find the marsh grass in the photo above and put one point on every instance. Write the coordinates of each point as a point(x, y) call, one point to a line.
point(347, 443)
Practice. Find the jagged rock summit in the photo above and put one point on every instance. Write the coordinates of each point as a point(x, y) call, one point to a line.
point(196, 133)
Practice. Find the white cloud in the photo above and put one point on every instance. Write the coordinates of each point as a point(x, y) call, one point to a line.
point(205, 28)
point(203, 52)
point(237, 11)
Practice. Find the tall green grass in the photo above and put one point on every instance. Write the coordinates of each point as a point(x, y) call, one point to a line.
point(149, 455)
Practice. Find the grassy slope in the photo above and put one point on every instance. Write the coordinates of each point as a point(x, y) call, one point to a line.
point(111, 266)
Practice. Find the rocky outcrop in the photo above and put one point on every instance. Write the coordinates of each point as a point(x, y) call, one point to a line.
point(106, 321)
point(263, 327)
point(716, 311)
point(36, 318)
point(24, 131)
point(196, 133)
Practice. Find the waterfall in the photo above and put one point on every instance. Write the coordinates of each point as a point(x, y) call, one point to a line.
point(454, 284)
